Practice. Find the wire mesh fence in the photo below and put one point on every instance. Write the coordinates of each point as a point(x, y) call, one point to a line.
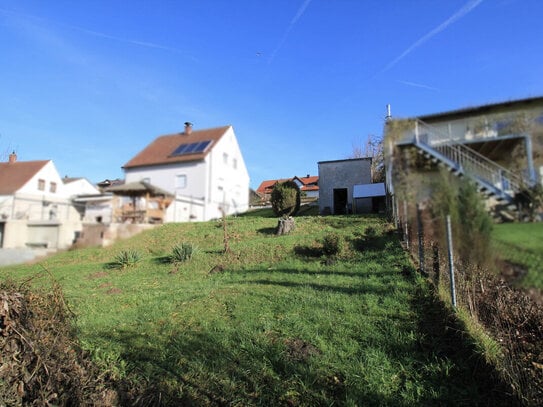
point(511, 322)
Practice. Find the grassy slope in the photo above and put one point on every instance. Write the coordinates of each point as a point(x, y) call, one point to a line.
point(522, 243)
point(278, 326)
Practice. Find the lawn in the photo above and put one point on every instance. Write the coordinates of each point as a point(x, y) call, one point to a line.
point(273, 322)
point(522, 243)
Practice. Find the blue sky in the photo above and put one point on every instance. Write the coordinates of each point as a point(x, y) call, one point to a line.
point(90, 83)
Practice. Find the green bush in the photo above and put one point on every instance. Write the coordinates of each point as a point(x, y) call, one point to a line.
point(332, 244)
point(126, 258)
point(182, 252)
point(285, 198)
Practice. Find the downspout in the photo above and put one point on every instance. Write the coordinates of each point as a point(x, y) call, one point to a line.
point(530, 159)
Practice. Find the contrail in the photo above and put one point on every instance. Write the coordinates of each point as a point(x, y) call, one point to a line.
point(468, 7)
point(98, 34)
point(417, 85)
point(294, 20)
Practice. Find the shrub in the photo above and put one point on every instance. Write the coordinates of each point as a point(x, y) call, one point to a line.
point(182, 252)
point(332, 244)
point(285, 198)
point(370, 232)
point(126, 258)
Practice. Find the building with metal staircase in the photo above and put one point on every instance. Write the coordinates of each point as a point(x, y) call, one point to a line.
point(498, 146)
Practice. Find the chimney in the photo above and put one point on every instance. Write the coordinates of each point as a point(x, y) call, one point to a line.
point(12, 157)
point(188, 128)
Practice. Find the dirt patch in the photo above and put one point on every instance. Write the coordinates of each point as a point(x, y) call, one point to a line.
point(300, 350)
point(114, 291)
point(99, 274)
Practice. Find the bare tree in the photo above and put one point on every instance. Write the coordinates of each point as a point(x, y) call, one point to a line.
point(373, 147)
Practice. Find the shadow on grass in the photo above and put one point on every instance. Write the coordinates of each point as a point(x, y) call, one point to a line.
point(220, 368)
point(161, 260)
point(308, 252)
point(393, 271)
point(358, 289)
point(267, 231)
point(473, 381)
point(374, 243)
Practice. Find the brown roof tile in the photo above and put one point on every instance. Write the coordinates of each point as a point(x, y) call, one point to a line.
point(14, 175)
point(161, 149)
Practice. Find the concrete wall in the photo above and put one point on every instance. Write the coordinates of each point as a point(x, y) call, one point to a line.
point(97, 234)
point(338, 175)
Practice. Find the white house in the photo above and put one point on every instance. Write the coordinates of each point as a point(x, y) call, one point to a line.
point(35, 208)
point(78, 186)
point(203, 169)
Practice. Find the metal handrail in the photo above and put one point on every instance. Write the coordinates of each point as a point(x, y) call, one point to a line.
point(469, 160)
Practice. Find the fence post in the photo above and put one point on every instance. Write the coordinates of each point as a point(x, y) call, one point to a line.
point(421, 238)
point(406, 230)
point(451, 260)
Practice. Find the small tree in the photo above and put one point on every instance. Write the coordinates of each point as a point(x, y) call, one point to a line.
point(474, 223)
point(285, 198)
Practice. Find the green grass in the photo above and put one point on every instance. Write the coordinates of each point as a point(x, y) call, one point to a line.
point(273, 322)
point(522, 243)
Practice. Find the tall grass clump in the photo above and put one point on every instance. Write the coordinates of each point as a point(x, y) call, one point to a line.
point(182, 252)
point(126, 258)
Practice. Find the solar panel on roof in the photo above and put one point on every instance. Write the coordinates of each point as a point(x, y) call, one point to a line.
point(191, 148)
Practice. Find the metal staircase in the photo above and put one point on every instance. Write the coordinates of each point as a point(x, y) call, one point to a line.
point(491, 178)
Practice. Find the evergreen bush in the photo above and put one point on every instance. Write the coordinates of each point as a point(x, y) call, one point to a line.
point(285, 199)
point(332, 244)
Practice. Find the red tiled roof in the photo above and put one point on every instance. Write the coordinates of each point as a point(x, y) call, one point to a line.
point(161, 149)
point(309, 184)
point(267, 186)
point(309, 180)
point(13, 176)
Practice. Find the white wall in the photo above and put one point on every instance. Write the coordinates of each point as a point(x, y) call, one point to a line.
point(228, 184)
point(80, 186)
point(164, 176)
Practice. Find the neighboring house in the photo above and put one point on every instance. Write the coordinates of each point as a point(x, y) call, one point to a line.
point(35, 208)
point(309, 187)
point(203, 169)
point(79, 186)
point(337, 182)
point(92, 205)
point(497, 145)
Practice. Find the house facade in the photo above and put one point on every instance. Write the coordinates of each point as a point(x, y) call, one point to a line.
point(203, 169)
point(337, 181)
point(35, 208)
point(498, 146)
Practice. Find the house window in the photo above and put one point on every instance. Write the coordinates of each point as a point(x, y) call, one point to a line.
point(235, 163)
point(181, 181)
point(225, 158)
point(41, 184)
point(53, 187)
